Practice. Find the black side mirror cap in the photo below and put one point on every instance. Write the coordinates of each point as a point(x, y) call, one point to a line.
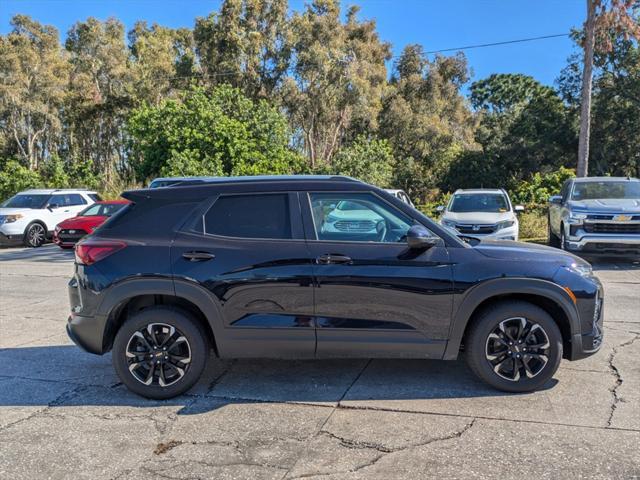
point(555, 199)
point(419, 237)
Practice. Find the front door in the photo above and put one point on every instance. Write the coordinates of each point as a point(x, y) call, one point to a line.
point(374, 296)
point(249, 252)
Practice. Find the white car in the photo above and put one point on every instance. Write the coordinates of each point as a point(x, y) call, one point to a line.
point(481, 213)
point(400, 194)
point(31, 216)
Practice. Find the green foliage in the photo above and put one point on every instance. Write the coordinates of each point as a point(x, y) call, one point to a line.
point(366, 159)
point(222, 133)
point(15, 177)
point(53, 173)
point(533, 225)
point(541, 186)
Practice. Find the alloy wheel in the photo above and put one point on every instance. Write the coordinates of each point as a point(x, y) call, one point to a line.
point(158, 354)
point(35, 235)
point(517, 347)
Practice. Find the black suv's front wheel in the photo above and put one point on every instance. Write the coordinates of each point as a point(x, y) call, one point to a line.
point(514, 346)
point(160, 352)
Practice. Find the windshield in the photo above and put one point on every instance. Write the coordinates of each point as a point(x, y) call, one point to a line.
point(101, 209)
point(602, 190)
point(26, 201)
point(479, 202)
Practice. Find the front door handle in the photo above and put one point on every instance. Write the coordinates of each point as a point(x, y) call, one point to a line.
point(329, 258)
point(198, 256)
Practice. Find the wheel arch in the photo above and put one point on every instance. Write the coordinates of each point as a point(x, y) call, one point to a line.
point(547, 295)
point(130, 296)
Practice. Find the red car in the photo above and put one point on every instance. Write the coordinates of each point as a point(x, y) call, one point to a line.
point(69, 232)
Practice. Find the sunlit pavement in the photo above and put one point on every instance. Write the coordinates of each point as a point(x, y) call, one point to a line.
point(63, 413)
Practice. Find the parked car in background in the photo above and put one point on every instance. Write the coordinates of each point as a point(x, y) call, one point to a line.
point(481, 213)
point(70, 231)
point(173, 181)
point(401, 195)
point(243, 267)
point(31, 216)
point(597, 215)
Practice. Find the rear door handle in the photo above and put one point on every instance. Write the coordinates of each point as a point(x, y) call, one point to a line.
point(329, 258)
point(198, 256)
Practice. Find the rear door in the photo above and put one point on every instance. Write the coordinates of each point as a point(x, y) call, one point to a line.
point(373, 296)
point(248, 251)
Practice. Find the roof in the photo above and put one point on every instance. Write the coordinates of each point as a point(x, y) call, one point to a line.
point(111, 202)
point(605, 179)
point(49, 191)
point(266, 183)
point(479, 190)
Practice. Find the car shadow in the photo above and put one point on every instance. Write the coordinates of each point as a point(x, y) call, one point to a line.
point(64, 376)
point(49, 253)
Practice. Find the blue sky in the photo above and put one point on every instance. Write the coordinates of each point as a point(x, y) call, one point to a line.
point(434, 24)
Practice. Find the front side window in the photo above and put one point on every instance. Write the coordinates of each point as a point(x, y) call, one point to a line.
point(26, 200)
point(479, 202)
point(250, 216)
point(76, 199)
point(604, 190)
point(357, 217)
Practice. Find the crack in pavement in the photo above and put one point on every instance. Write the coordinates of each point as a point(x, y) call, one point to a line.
point(383, 450)
point(616, 398)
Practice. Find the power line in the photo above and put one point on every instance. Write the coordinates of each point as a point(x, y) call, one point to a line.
point(482, 45)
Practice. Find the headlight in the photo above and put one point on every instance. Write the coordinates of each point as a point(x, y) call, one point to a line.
point(12, 218)
point(503, 225)
point(576, 217)
point(583, 269)
point(448, 223)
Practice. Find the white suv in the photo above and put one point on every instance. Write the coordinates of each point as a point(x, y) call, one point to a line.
point(481, 213)
point(31, 216)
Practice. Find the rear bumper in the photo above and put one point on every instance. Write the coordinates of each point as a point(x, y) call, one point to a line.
point(87, 333)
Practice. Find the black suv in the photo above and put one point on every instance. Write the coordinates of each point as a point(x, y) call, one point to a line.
point(318, 267)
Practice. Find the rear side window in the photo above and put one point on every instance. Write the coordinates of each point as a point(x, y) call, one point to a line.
point(95, 197)
point(250, 216)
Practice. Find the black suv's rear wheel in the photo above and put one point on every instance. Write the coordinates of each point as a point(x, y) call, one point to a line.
point(514, 346)
point(160, 352)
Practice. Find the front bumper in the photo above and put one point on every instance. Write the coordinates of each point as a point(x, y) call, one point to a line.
point(11, 233)
point(604, 243)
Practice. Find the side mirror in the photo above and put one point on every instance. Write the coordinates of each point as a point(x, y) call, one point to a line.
point(440, 208)
point(555, 199)
point(518, 208)
point(419, 237)
point(53, 206)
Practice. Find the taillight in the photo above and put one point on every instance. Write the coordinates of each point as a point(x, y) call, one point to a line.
point(92, 251)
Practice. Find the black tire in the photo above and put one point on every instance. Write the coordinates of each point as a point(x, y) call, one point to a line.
point(552, 238)
point(128, 339)
point(479, 344)
point(35, 235)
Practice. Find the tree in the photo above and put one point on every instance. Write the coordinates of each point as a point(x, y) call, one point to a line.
point(426, 118)
point(224, 133)
point(33, 74)
point(367, 159)
point(338, 77)
point(605, 19)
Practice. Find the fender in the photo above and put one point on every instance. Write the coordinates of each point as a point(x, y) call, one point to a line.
point(123, 291)
point(505, 286)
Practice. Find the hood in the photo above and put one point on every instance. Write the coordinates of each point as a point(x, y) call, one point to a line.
point(608, 205)
point(478, 217)
point(82, 222)
point(520, 251)
point(13, 211)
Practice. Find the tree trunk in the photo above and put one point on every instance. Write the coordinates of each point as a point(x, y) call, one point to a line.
point(585, 98)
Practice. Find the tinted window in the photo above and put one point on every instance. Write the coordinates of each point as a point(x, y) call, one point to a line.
point(95, 197)
point(249, 216)
point(357, 217)
point(26, 201)
point(76, 199)
point(479, 202)
point(59, 200)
